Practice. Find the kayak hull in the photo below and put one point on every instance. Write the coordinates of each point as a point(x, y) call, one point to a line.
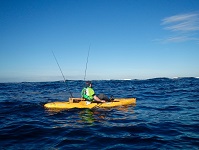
point(81, 103)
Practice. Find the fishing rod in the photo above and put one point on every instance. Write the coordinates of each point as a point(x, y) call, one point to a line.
point(62, 75)
point(87, 62)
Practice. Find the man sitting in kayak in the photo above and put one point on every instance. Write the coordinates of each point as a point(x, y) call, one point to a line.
point(89, 94)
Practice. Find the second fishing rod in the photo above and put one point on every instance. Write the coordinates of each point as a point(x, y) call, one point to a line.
point(63, 76)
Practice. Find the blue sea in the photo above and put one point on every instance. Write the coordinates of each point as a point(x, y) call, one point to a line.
point(166, 116)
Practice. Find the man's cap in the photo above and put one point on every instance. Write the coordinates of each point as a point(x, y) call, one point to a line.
point(88, 83)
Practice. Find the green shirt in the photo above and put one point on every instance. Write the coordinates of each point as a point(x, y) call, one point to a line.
point(88, 93)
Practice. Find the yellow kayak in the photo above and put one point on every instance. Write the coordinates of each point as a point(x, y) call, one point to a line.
point(81, 103)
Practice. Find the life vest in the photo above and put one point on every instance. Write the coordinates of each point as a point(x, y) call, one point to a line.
point(88, 93)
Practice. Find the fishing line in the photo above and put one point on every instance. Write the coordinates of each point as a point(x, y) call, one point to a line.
point(62, 75)
point(87, 62)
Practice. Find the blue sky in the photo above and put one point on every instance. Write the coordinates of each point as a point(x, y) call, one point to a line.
point(130, 39)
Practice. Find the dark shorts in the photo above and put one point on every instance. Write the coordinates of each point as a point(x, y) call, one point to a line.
point(103, 97)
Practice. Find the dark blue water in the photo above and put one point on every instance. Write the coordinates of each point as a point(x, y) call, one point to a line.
point(166, 116)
